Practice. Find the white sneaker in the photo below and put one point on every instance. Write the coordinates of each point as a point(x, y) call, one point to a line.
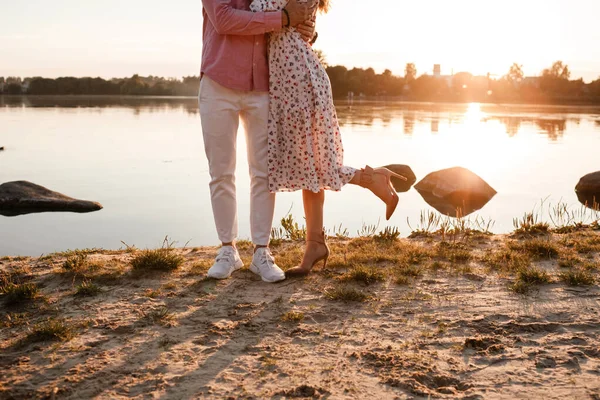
point(263, 264)
point(227, 261)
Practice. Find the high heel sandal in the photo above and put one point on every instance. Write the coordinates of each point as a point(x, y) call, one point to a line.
point(314, 237)
point(387, 193)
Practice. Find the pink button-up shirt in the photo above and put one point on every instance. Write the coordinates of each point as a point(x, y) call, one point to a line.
point(234, 49)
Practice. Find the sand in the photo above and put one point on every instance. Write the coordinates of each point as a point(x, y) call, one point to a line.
point(452, 333)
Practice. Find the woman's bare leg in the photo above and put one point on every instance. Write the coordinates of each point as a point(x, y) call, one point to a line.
point(316, 249)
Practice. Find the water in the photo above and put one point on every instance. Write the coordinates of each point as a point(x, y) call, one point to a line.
point(143, 160)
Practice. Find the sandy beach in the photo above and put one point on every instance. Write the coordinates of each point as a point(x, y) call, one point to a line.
point(473, 316)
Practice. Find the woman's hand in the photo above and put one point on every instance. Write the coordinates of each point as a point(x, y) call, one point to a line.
point(307, 30)
point(299, 12)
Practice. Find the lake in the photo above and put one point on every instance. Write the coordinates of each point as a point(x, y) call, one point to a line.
point(143, 160)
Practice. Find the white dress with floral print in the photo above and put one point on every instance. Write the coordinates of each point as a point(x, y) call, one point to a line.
point(305, 146)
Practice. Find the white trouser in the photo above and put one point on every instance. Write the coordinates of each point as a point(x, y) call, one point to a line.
point(220, 111)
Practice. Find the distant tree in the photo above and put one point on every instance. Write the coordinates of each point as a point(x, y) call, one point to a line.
point(338, 77)
point(558, 71)
point(410, 72)
point(13, 88)
point(515, 74)
point(322, 59)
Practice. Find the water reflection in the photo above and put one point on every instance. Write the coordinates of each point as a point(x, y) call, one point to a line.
point(135, 103)
point(554, 129)
point(548, 121)
point(590, 200)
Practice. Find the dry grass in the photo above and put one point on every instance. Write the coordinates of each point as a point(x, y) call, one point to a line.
point(536, 248)
point(293, 316)
point(18, 294)
point(163, 259)
point(364, 274)
point(507, 260)
point(577, 277)
point(52, 329)
point(87, 289)
point(346, 294)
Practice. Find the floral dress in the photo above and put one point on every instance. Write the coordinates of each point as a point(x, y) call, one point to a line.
point(304, 142)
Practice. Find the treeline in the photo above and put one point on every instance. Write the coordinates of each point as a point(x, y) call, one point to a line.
point(553, 85)
point(136, 86)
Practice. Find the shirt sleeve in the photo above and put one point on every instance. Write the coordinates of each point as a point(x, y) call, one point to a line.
point(230, 21)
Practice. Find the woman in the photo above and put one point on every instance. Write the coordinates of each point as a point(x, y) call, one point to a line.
point(304, 142)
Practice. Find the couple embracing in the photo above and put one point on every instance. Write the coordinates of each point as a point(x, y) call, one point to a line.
point(258, 67)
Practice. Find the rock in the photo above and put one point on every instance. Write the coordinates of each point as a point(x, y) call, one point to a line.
point(588, 190)
point(405, 171)
point(1, 148)
point(455, 191)
point(22, 197)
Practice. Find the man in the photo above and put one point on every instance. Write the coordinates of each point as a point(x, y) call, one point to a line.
point(234, 85)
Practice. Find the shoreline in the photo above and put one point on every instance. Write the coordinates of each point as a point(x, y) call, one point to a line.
point(463, 314)
point(341, 100)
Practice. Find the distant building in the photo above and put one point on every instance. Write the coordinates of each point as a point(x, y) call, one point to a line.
point(437, 73)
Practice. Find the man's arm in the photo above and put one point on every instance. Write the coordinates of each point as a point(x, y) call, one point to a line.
point(230, 21)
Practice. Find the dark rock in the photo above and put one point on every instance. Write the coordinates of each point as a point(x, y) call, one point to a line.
point(405, 171)
point(1, 148)
point(22, 197)
point(455, 191)
point(588, 190)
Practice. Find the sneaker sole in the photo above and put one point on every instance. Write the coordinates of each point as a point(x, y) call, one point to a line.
point(255, 269)
point(236, 267)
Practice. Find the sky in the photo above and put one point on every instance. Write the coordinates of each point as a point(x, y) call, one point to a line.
point(117, 38)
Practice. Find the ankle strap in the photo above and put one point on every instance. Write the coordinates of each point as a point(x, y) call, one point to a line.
point(318, 237)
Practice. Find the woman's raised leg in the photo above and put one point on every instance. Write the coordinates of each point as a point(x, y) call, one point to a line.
point(378, 181)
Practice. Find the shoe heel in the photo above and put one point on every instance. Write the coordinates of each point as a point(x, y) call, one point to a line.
point(325, 261)
point(399, 176)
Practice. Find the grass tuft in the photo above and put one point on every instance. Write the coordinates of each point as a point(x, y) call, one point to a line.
point(292, 316)
point(389, 234)
point(403, 274)
point(19, 293)
point(87, 289)
point(365, 274)
point(538, 248)
point(346, 293)
point(529, 225)
point(160, 315)
point(53, 329)
point(163, 259)
point(577, 277)
point(533, 276)
point(75, 263)
point(507, 260)
point(520, 287)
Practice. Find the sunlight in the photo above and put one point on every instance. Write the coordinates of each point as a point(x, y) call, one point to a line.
point(474, 113)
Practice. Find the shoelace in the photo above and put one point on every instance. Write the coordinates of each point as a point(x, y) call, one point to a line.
point(267, 258)
point(224, 255)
